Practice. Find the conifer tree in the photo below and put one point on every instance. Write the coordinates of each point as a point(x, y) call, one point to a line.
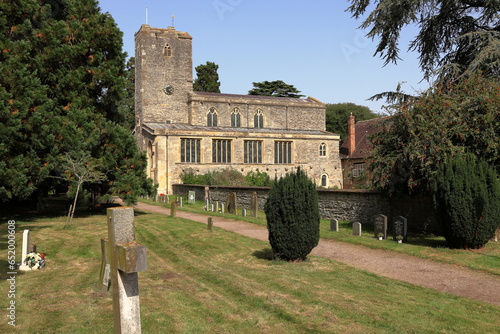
point(292, 214)
point(61, 80)
point(466, 196)
point(207, 78)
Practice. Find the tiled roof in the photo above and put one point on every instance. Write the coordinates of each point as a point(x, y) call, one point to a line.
point(364, 129)
point(259, 97)
point(165, 127)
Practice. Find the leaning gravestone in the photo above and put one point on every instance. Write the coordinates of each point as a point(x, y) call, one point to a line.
point(400, 228)
point(231, 203)
point(254, 204)
point(334, 225)
point(380, 226)
point(356, 229)
point(25, 250)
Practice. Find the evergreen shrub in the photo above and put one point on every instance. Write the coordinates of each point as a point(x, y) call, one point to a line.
point(292, 214)
point(466, 194)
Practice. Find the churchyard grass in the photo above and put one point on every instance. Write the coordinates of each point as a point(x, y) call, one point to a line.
point(220, 282)
point(431, 247)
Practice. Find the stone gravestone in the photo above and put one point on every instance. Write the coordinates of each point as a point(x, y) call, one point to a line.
point(126, 257)
point(232, 203)
point(191, 197)
point(496, 236)
point(334, 225)
point(254, 204)
point(400, 227)
point(25, 250)
point(380, 226)
point(356, 229)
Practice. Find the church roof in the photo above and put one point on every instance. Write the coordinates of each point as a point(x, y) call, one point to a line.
point(164, 128)
point(259, 97)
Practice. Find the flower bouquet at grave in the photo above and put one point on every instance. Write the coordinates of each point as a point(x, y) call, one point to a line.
point(399, 238)
point(380, 236)
point(35, 260)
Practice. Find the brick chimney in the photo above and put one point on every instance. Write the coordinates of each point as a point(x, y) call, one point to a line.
point(351, 134)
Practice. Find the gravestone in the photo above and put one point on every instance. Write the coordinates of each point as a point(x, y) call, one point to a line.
point(400, 227)
point(244, 212)
point(232, 203)
point(207, 205)
point(179, 201)
point(221, 208)
point(25, 250)
point(334, 225)
point(217, 207)
point(126, 257)
point(254, 204)
point(356, 229)
point(212, 207)
point(496, 236)
point(380, 226)
point(163, 199)
point(191, 197)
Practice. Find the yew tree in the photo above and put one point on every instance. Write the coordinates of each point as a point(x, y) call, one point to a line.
point(61, 81)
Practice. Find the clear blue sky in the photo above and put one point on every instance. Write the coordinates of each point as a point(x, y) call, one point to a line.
point(313, 45)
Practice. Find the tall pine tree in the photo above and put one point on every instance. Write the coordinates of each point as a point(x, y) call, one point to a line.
point(61, 80)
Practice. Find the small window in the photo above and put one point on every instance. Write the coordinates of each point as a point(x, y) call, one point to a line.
point(322, 150)
point(167, 50)
point(258, 119)
point(324, 180)
point(282, 152)
point(221, 151)
point(235, 118)
point(212, 117)
point(358, 169)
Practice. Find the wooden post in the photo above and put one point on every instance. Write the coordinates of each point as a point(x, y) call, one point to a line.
point(210, 223)
point(126, 259)
point(173, 209)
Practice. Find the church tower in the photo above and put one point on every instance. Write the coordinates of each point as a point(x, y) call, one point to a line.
point(163, 75)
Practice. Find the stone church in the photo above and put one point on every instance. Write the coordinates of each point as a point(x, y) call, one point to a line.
point(183, 130)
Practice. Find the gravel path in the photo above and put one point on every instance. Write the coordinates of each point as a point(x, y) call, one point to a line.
point(443, 277)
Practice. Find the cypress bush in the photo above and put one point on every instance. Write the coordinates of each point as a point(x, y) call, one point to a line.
point(292, 214)
point(466, 196)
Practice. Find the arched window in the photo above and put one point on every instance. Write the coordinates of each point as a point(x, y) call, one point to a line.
point(258, 119)
point(322, 150)
point(324, 181)
point(235, 118)
point(167, 50)
point(212, 117)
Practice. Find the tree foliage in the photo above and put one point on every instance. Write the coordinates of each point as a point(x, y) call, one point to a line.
point(292, 214)
point(62, 78)
point(207, 78)
point(466, 195)
point(458, 38)
point(274, 88)
point(338, 114)
point(450, 119)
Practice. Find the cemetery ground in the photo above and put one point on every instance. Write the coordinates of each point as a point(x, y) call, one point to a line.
point(221, 282)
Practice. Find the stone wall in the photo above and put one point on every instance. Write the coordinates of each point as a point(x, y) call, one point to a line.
point(344, 205)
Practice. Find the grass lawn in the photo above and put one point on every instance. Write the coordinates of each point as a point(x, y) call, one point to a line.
point(431, 247)
point(219, 282)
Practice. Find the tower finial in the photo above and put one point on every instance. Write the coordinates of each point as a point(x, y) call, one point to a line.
point(173, 16)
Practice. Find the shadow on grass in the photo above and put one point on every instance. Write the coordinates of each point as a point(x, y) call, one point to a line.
point(264, 254)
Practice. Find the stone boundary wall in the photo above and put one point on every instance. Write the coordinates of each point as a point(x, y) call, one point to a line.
point(344, 205)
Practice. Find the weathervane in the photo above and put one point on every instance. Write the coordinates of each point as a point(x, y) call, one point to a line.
point(173, 20)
